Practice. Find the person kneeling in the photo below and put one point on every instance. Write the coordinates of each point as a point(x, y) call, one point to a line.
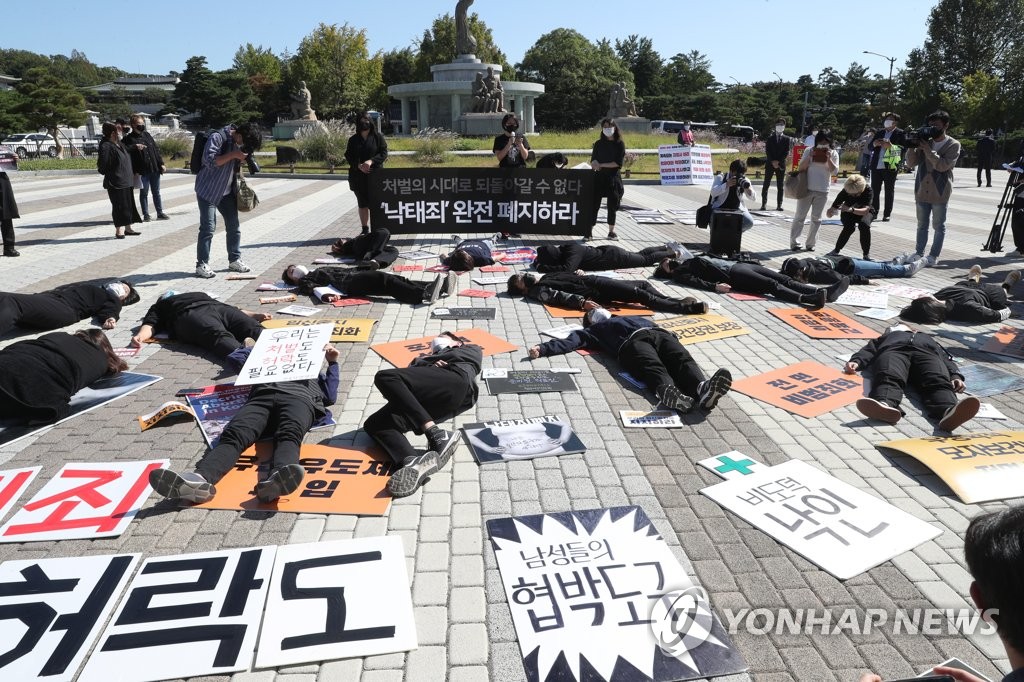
point(284, 411)
point(901, 355)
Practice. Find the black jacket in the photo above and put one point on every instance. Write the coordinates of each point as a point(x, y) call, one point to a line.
point(144, 161)
point(696, 273)
point(374, 147)
point(608, 336)
point(829, 270)
point(88, 300)
point(895, 138)
point(776, 148)
point(115, 164)
point(973, 302)
point(8, 207)
point(894, 340)
point(568, 290)
point(572, 257)
point(986, 149)
point(466, 360)
point(162, 314)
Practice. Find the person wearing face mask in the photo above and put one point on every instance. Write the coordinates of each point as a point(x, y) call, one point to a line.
point(8, 212)
point(809, 140)
point(435, 387)
point(586, 292)
point(368, 283)
point(147, 163)
point(651, 354)
point(820, 162)
point(115, 164)
point(886, 156)
point(685, 136)
point(728, 190)
point(776, 149)
point(366, 151)
point(933, 184)
point(511, 149)
point(606, 158)
point(66, 305)
point(580, 258)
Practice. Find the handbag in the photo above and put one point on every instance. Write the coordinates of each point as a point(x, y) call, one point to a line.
point(796, 185)
point(246, 196)
point(704, 215)
point(137, 184)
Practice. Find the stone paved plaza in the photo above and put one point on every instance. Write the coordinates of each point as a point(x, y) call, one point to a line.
point(463, 623)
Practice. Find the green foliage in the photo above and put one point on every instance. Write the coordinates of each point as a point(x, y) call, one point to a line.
point(399, 66)
point(644, 63)
point(340, 73)
point(257, 61)
point(10, 120)
point(433, 146)
point(176, 143)
point(76, 68)
point(325, 143)
point(438, 47)
point(217, 98)
point(49, 102)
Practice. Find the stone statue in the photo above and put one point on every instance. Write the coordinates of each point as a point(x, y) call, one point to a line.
point(302, 105)
point(488, 95)
point(619, 103)
point(465, 43)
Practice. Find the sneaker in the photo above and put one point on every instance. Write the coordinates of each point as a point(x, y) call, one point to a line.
point(11, 252)
point(365, 230)
point(414, 472)
point(913, 258)
point(914, 268)
point(816, 300)
point(674, 399)
point(808, 248)
point(442, 442)
point(900, 259)
point(709, 392)
point(1012, 278)
point(695, 308)
point(203, 270)
point(238, 266)
point(778, 208)
point(885, 219)
point(764, 207)
point(834, 254)
point(145, 218)
point(282, 481)
point(930, 261)
point(975, 273)
point(961, 412)
point(367, 265)
point(836, 290)
point(433, 291)
point(612, 236)
point(162, 216)
point(188, 486)
point(448, 286)
point(796, 247)
point(876, 409)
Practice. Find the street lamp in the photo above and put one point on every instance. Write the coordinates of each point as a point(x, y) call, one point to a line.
point(735, 81)
point(892, 60)
point(777, 76)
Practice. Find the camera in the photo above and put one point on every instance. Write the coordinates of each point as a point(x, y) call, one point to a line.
point(922, 134)
point(254, 167)
point(743, 183)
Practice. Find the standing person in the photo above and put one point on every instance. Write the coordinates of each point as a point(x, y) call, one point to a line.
point(776, 149)
point(986, 152)
point(8, 212)
point(114, 163)
point(1017, 218)
point(886, 156)
point(853, 203)
point(66, 305)
point(285, 411)
point(367, 149)
point(434, 387)
point(809, 141)
point(864, 144)
point(728, 190)
point(147, 163)
point(933, 184)
point(217, 189)
point(606, 158)
point(820, 162)
point(685, 136)
point(511, 150)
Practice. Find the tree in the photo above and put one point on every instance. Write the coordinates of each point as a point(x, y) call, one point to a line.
point(49, 103)
point(643, 61)
point(10, 120)
point(196, 89)
point(216, 99)
point(265, 72)
point(340, 73)
point(982, 103)
point(438, 47)
point(577, 77)
point(399, 66)
point(115, 105)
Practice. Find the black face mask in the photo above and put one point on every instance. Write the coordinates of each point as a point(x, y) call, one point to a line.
point(362, 126)
point(140, 128)
point(511, 128)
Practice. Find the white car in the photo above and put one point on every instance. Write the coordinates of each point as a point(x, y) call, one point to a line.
point(31, 144)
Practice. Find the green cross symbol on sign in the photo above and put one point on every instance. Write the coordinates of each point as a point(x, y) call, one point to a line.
point(730, 464)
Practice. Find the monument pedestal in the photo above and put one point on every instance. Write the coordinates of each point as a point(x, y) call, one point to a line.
point(480, 124)
point(632, 124)
point(286, 130)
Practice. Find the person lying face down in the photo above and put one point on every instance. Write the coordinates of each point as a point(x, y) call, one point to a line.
point(967, 301)
point(66, 305)
point(370, 249)
point(586, 292)
point(831, 269)
point(354, 282)
point(581, 258)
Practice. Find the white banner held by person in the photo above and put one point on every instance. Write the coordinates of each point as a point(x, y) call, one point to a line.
point(286, 354)
point(682, 165)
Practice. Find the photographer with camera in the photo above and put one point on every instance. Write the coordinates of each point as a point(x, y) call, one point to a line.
point(728, 191)
point(820, 162)
point(934, 154)
point(886, 156)
point(217, 190)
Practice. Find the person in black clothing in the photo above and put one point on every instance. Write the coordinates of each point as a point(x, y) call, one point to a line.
point(66, 305)
point(986, 153)
point(853, 203)
point(469, 254)
point(115, 164)
point(39, 376)
point(198, 319)
point(578, 258)
point(886, 158)
point(284, 411)
point(434, 387)
point(552, 160)
point(776, 149)
point(586, 292)
point(606, 158)
point(8, 212)
point(353, 282)
point(968, 301)
point(366, 150)
point(722, 276)
point(651, 354)
point(1017, 217)
point(510, 148)
point(902, 355)
point(146, 162)
point(370, 249)
point(832, 269)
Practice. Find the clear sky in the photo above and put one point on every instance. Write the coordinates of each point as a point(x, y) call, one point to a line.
point(746, 40)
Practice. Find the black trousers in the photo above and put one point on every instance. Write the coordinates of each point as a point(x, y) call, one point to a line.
point(779, 174)
point(607, 185)
point(7, 231)
point(611, 291)
point(853, 222)
point(652, 255)
point(922, 369)
point(267, 411)
point(656, 357)
point(376, 283)
point(373, 246)
point(1017, 226)
point(219, 328)
point(986, 165)
point(757, 279)
point(885, 177)
point(34, 311)
point(415, 395)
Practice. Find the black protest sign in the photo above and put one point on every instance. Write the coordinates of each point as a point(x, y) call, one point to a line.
point(463, 313)
point(531, 381)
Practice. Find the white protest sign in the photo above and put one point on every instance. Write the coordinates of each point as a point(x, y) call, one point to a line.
point(186, 615)
point(63, 602)
point(682, 165)
point(731, 465)
point(878, 313)
point(88, 500)
point(496, 279)
point(13, 483)
point(658, 419)
point(843, 530)
point(299, 310)
point(286, 354)
point(864, 299)
point(562, 332)
point(339, 599)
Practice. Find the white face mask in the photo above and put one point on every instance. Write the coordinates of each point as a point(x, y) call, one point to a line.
point(119, 289)
point(889, 123)
point(686, 127)
point(608, 131)
point(440, 343)
point(599, 315)
point(814, 133)
point(779, 129)
point(299, 271)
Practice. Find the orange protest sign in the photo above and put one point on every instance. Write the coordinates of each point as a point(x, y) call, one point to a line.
point(807, 388)
point(823, 324)
point(401, 353)
point(346, 329)
point(623, 312)
point(978, 467)
point(697, 328)
point(337, 481)
point(1006, 341)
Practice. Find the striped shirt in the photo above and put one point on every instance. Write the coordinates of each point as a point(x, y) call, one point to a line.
point(214, 182)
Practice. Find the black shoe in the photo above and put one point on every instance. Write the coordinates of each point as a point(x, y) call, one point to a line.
point(816, 300)
point(367, 265)
point(145, 218)
point(12, 252)
point(674, 399)
point(764, 206)
point(366, 229)
point(711, 391)
point(414, 472)
point(960, 413)
point(885, 219)
point(778, 208)
point(188, 486)
point(162, 216)
point(442, 442)
point(283, 481)
point(695, 308)
point(838, 289)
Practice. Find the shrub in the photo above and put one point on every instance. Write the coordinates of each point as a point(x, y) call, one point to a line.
point(325, 142)
point(433, 146)
point(175, 145)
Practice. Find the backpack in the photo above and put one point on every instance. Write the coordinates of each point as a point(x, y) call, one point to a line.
point(195, 164)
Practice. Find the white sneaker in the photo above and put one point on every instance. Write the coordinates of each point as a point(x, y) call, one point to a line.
point(914, 268)
point(203, 270)
point(900, 259)
point(913, 258)
point(930, 261)
point(974, 273)
point(238, 266)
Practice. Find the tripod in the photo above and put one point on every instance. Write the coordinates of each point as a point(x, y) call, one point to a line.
point(1005, 208)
